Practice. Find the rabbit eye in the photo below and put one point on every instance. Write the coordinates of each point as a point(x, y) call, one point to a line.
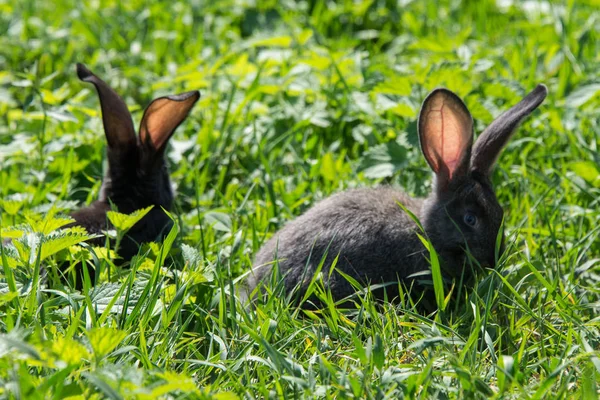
point(470, 219)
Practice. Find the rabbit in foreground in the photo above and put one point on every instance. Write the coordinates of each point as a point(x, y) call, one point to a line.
point(376, 240)
point(137, 175)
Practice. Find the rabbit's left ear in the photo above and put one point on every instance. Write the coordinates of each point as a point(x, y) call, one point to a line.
point(446, 135)
point(491, 141)
point(163, 116)
point(118, 125)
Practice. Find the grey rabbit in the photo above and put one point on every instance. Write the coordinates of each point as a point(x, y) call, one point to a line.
point(137, 175)
point(375, 238)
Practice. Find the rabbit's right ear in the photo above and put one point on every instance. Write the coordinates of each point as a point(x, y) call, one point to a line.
point(446, 135)
point(116, 118)
point(491, 141)
point(163, 116)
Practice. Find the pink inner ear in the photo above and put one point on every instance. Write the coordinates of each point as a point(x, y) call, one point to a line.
point(162, 117)
point(452, 166)
point(448, 131)
point(158, 130)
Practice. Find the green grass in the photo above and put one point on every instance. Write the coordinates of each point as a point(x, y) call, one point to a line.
point(299, 100)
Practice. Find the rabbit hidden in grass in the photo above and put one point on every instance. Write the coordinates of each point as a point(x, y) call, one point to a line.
point(137, 176)
point(375, 240)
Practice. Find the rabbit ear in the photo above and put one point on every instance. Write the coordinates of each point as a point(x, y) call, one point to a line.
point(446, 135)
point(496, 135)
point(163, 116)
point(116, 118)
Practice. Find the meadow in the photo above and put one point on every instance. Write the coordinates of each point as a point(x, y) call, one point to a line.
point(299, 100)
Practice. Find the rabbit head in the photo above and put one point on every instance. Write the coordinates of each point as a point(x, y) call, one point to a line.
point(462, 212)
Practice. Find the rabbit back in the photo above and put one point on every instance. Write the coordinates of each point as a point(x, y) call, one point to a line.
point(372, 234)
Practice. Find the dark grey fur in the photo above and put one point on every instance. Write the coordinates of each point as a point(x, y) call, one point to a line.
point(376, 240)
point(137, 175)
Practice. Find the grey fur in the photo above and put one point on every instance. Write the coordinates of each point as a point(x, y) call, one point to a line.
point(374, 237)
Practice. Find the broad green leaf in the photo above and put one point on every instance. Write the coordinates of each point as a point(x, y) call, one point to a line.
point(328, 167)
point(199, 273)
point(49, 224)
point(12, 232)
point(305, 36)
point(589, 171)
point(403, 110)
point(124, 222)
point(104, 340)
point(218, 220)
point(191, 256)
point(101, 253)
point(396, 85)
point(5, 295)
point(174, 382)
point(11, 207)
point(582, 95)
point(225, 396)
point(102, 386)
point(111, 297)
point(242, 67)
point(317, 61)
point(69, 351)
point(60, 240)
point(384, 160)
point(279, 41)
